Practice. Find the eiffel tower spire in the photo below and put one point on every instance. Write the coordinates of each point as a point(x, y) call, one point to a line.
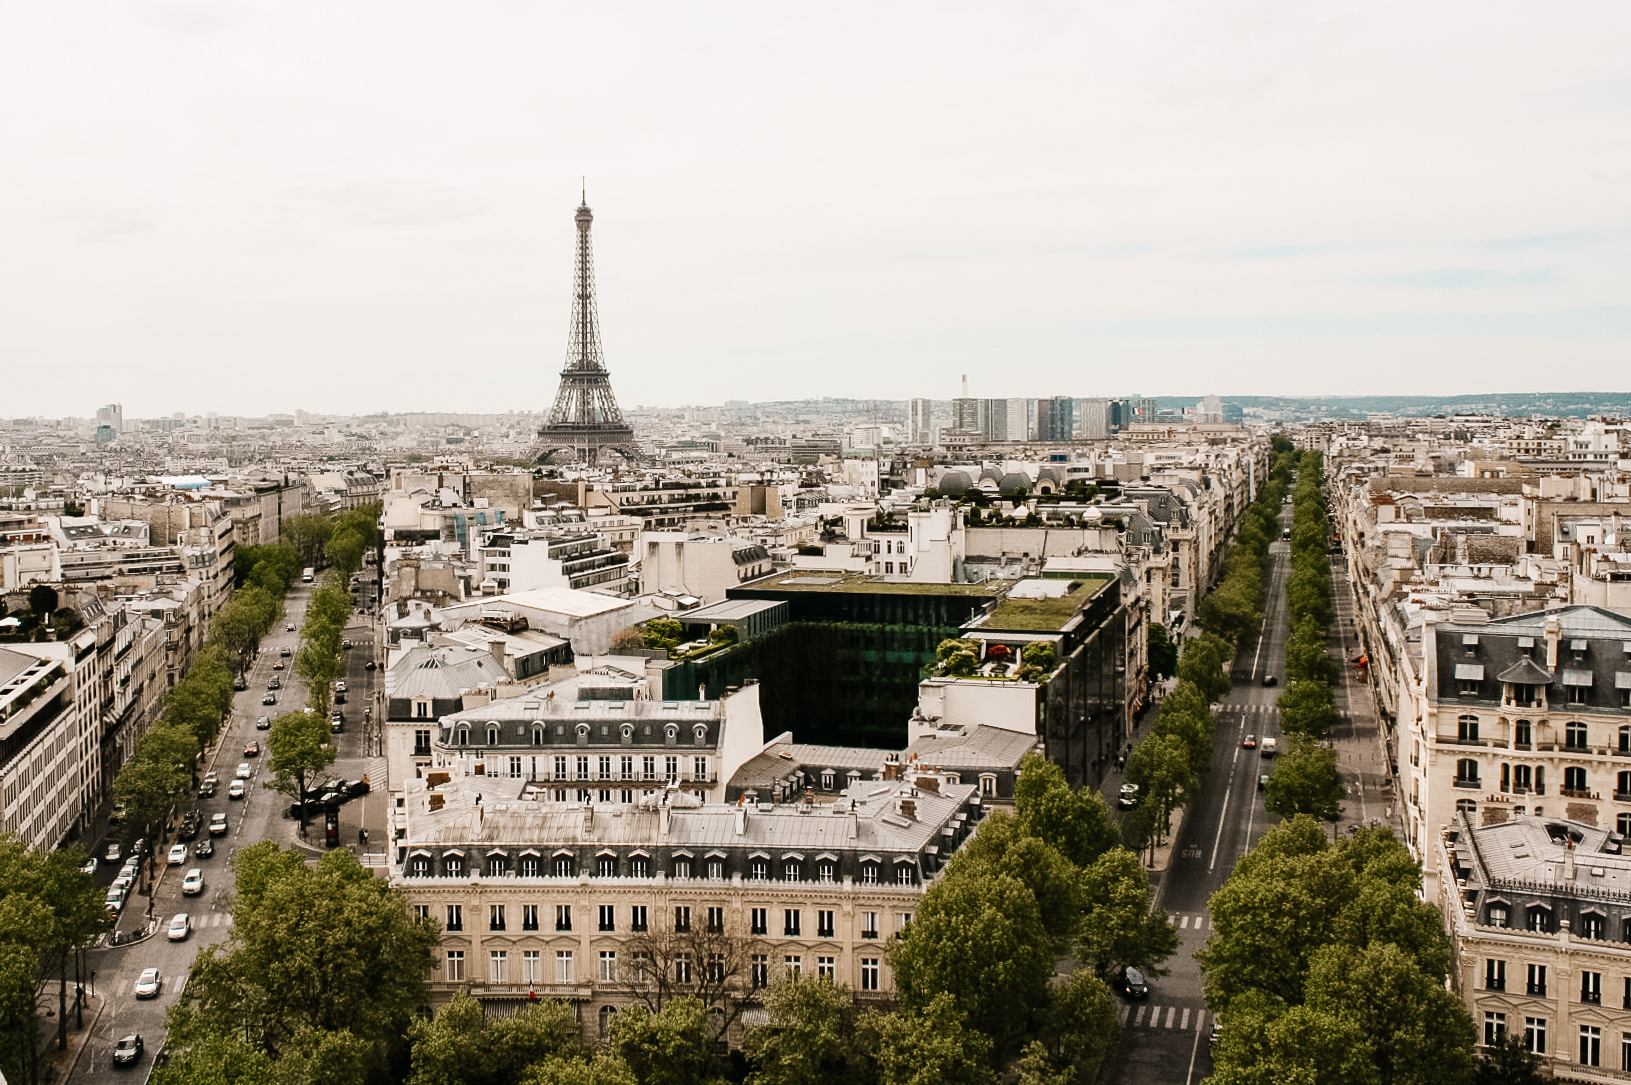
point(585, 418)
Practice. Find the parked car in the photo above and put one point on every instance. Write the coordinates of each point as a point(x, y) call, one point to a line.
point(240, 683)
point(1263, 781)
point(1269, 748)
point(181, 925)
point(178, 855)
point(149, 983)
point(193, 883)
point(204, 849)
point(339, 698)
point(346, 643)
point(187, 829)
point(263, 723)
point(89, 867)
point(339, 687)
point(218, 824)
point(353, 788)
point(1250, 743)
point(1130, 983)
point(125, 880)
point(212, 777)
point(236, 790)
point(128, 1050)
point(1128, 797)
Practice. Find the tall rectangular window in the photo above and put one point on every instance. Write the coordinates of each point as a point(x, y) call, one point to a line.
point(455, 917)
point(626, 764)
point(421, 743)
point(671, 768)
point(1494, 1028)
point(1591, 1045)
point(825, 967)
point(716, 920)
point(530, 970)
point(1537, 979)
point(869, 973)
point(529, 917)
point(761, 925)
point(869, 924)
point(761, 971)
point(648, 768)
point(1534, 1035)
point(682, 918)
point(793, 963)
point(637, 918)
point(496, 962)
point(1591, 987)
point(1625, 1051)
point(455, 966)
point(608, 966)
point(699, 769)
point(824, 923)
point(563, 966)
point(560, 768)
point(1494, 975)
point(608, 920)
point(563, 917)
point(515, 768)
point(790, 922)
point(495, 917)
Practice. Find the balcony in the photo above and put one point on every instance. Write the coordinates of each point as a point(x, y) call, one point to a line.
point(1591, 998)
point(1494, 983)
point(1577, 793)
point(617, 777)
point(1469, 784)
point(1537, 989)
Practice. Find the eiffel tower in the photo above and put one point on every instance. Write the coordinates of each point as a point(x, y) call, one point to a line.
point(585, 418)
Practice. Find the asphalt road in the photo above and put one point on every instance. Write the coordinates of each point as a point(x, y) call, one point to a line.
point(1164, 1037)
point(260, 815)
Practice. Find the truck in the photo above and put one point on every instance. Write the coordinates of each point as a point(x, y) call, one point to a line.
point(305, 577)
point(1269, 747)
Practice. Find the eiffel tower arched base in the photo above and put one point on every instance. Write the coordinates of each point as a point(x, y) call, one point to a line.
point(586, 451)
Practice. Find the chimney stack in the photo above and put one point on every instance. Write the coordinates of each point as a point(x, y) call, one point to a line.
point(742, 816)
point(1554, 632)
point(662, 818)
point(1568, 861)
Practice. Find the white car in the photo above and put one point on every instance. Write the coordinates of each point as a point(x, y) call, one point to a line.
point(193, 883)
point(339, 687)
point(236, 790)
point(178, 854)
point(180, 927)
point(244, 771)
point(148, 984)
point(89, 867)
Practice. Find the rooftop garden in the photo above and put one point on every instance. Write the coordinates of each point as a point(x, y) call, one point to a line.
point(1044, 615)
point(859, 582)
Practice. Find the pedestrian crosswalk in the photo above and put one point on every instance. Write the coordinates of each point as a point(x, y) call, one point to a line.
point(1152, 1015)
point(1252, 709)
point(1188, 922)
point(205, 920)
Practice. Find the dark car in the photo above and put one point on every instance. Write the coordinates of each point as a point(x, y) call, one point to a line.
point(368, 666)
point(263, 723)
point(1128, 798)
point(1270, 680)
point(204, 848)
point(353, 788)
point(274, 683)
point(1129, 983)
point(270, 698)
point(127, 1050)
point(206, 790)
point(188, 828)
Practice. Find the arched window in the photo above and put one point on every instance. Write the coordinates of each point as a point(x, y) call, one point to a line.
point(1574, 778)
point(606, 1015)
point(1523, 734)
point(464, 736)
point(1467, 728)
point(492, 734)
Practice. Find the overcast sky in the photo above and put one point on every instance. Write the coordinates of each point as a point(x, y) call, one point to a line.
point(337, 206)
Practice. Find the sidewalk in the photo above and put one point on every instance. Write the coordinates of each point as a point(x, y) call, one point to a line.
point(58, 1065)
point(1357, 739)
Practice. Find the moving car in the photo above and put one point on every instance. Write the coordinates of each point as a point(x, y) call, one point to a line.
point(180, 927)
point(89, 867)
point(212, 777)
point(205, 849)
point(115, 852)
point(1263, 781)
point(218, 824)
point(353, 788)
point(252, 749)
point(278, 666)
point(368, 666)
point(193, 883)
point(1128, 797)
point(345, 643)
point(288, 628)
point(285, 652)
point(178, 855)
point(1250, 743)
point(1270, 747)
point(270, 698)
point(1270, 680)
point(1130, 983)
point(236, 790)
point(263, 723)
point(148, 984)
point(127, 1050)
point(274, 682)
point(244, 771)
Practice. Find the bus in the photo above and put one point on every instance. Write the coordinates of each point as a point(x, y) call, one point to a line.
point(305, 577)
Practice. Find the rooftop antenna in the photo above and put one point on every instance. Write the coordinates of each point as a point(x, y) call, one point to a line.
point(584, 180)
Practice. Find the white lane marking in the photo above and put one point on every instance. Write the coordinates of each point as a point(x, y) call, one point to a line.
point(1184, 1023)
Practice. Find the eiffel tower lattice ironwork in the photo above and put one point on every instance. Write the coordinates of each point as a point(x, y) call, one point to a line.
point(585, 418)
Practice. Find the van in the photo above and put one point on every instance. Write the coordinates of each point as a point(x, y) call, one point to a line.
point(1269, 747)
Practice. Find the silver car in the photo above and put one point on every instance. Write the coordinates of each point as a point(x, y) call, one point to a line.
point(181, 925)
point(148, 984)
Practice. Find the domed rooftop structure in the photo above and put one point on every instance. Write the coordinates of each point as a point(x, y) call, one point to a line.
point(954, 483)
point(1013, 482)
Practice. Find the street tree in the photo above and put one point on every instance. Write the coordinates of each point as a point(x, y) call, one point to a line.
point(1160, 766)
point(603, 1069)
point(1003, 847)
point(1305, 781)
point(1307, 708)
point(298, 749)
point(1418, 1031)
point(329, 949)
point(1116, 926)
point(1076, 823)
point(1266, 1043)
point(1163, 653)
point(669, 961)
point(980, 940)
point(461, 1045)
point(931, 1045)
point(1204, 662)
point(673, 1046)
point(810, 1036)
point(1077, 1033)
point(1510, 1062)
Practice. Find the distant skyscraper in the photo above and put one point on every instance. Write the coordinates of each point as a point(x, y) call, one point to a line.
point(1209, 409)
point(585, 417)
point(1145, 410)
point(921, 427)
point(1019, 419)
point(112, 416)
point(968, 415)
point(1055, 419)
point(1092, 419)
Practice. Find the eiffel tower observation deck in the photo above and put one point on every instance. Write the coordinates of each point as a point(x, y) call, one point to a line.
point(585, 419)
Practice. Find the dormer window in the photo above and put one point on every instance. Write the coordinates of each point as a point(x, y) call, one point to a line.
point(492, 735)
point(1468, 676)
point(1469, 642)
point(1526, 646)
point(464, 736)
